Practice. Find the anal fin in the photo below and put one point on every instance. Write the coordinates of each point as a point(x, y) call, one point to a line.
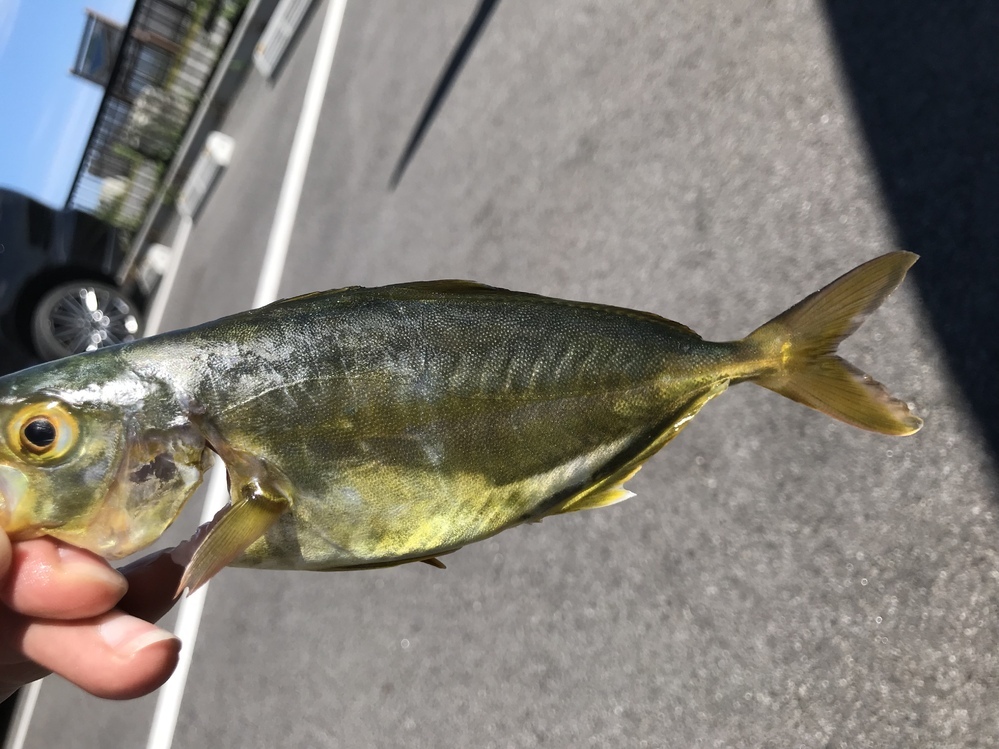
point(434, 562)
point(603, 497)
point(610, 490)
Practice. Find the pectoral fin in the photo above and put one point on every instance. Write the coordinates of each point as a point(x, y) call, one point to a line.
point(231, 533)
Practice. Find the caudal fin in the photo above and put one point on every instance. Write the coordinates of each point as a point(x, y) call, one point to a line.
point(799, 347)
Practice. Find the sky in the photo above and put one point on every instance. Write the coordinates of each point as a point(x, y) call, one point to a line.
point(47, 112)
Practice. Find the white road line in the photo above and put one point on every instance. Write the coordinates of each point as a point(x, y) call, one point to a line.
point(188, 621)
point(298, 161)
point(155, 317)
point(18, 731)
point(191, 608)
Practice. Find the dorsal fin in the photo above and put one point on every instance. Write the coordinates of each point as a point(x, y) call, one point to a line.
point(459, 286)
point(453, 286)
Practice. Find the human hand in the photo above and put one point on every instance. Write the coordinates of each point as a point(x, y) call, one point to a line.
point(66, 610)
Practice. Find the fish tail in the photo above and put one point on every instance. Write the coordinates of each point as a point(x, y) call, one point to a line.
point(797, 348)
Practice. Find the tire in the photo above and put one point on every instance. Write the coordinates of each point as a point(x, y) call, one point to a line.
point(82, 316)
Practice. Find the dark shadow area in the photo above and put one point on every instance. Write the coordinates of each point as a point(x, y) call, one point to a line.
point(925, 80)
point(440, 91)
point(7, 708)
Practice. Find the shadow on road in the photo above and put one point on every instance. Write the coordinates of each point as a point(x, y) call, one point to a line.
point(925, 82)
point(447, 78)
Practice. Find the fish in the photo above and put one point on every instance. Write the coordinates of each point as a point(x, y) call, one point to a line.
point(369, 427)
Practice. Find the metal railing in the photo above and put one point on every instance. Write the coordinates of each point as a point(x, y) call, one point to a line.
point(168, 54)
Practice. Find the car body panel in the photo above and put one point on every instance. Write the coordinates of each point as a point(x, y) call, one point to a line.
point(41, 247)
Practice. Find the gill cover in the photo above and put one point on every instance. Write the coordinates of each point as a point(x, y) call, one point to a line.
point(100, 475)
point(159, 472)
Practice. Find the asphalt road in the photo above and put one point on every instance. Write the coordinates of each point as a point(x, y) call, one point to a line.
point(780, 580)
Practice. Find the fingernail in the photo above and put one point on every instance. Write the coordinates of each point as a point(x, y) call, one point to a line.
point(85, 567)
point(128, 635)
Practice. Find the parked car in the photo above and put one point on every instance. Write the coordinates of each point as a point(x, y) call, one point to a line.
point(57, 290)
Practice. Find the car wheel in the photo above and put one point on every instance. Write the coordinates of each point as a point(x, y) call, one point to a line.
point(82, 316)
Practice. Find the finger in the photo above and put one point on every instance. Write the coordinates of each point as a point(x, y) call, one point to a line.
point(114, 656)
point(152, 583)
point(52, 580)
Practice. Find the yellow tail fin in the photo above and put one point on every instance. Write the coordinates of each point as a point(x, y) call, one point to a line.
point(800, 346)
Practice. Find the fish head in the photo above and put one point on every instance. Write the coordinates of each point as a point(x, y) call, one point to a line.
point(57, 461)
point(96, 458)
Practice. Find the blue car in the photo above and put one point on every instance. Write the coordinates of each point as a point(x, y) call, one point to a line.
point(57, 290)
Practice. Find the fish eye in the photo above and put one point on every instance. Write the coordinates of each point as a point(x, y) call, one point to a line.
point(43, 431)
point(38, 434)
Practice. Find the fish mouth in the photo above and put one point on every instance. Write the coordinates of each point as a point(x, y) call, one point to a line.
point(13, 487)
